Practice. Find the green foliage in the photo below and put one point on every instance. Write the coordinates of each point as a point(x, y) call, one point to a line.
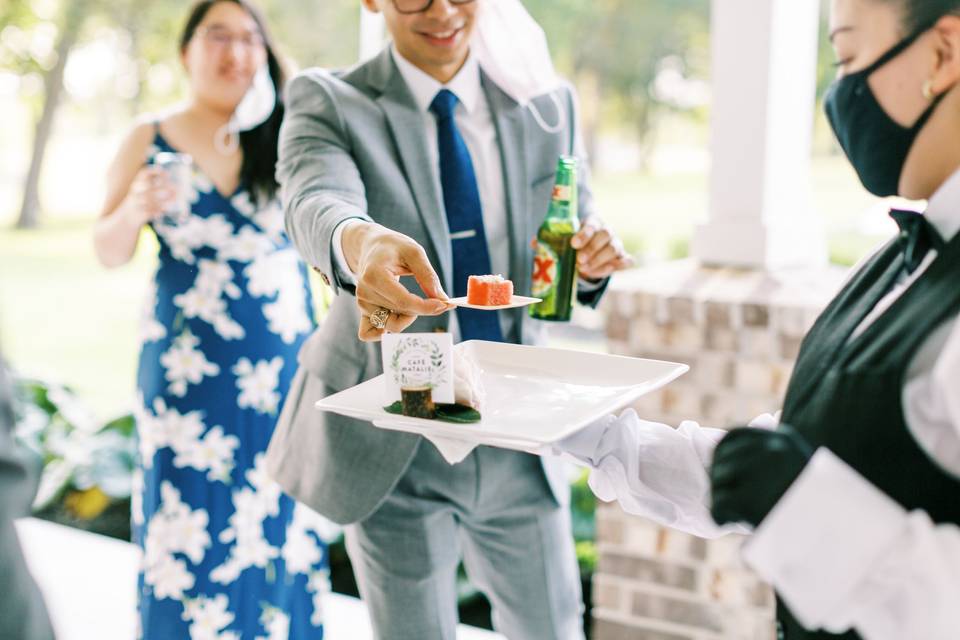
point(146, 36)
point(87, 477)
point(456, 413)
point(825, 57)
point(583, 506)
point(847, 249)
point(621, 45)
point(679, 248)
point(28, 42)
point(587, 556)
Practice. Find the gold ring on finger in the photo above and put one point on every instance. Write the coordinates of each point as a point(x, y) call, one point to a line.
point(379, 318)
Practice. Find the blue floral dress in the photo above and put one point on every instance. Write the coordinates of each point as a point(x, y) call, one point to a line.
point(226, 555)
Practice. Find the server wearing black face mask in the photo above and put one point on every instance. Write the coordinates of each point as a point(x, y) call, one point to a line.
point(853, 494)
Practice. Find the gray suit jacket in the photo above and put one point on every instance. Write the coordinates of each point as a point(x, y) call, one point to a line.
point(354, 145)
point(23, 615)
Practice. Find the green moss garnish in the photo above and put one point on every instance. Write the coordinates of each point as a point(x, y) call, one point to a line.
point(454, 413)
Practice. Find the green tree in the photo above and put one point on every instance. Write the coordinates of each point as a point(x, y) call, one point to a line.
point(69, 26)
point(615, 48)
point(308, 32)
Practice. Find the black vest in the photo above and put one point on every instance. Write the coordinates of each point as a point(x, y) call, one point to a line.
point(846, 394)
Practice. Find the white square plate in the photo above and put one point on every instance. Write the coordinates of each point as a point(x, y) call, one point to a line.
point(533, 394)
point(515, 301)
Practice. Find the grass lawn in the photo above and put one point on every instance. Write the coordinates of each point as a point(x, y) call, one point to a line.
point(65, 318)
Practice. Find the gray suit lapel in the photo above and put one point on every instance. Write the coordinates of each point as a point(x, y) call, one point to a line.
point(511, 136)
point(410, 137)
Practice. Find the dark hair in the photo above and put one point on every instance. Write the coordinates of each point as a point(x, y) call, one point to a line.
point(921, 14)
point(258, 171)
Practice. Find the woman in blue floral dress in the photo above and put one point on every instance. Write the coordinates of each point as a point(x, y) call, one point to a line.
point(225, 554)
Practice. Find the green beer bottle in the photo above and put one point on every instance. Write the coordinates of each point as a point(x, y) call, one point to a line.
point(555, 260)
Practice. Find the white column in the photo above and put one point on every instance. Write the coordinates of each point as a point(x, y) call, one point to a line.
point(372, 33)
point(764, 56)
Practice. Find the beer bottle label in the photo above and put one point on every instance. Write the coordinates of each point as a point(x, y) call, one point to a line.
point(545, 263)
point(562, 193)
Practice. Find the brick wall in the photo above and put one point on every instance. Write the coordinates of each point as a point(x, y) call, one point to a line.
point(739, 331)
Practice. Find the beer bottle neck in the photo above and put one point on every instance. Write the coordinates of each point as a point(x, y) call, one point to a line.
point(563, 201)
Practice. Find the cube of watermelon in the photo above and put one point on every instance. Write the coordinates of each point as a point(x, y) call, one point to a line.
point(489, 291)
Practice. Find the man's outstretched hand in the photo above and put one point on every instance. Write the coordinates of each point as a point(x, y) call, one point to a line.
point(380, 257)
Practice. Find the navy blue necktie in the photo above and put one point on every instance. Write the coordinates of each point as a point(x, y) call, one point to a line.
point(461, 199)
point(917, 237)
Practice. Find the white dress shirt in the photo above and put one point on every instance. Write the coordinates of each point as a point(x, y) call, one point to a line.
point(840, 552)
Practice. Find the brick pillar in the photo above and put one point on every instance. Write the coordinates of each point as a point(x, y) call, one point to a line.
point(740, 331)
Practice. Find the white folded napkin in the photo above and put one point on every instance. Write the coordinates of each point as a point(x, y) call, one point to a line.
point(455, 450)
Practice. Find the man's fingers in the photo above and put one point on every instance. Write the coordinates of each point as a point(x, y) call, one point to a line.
point(377, 297)
point(368, 333)
point(402, 322)
point(381, 288)
point(416, 261)
point(598, 243)
point(604, 271)
point(396, 322)
point(586, 233)
point(616, 263)
point(607, 254)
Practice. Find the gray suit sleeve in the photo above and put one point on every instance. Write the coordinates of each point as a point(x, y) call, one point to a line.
point(588, 293)
point(23, 615)
point(321, 186)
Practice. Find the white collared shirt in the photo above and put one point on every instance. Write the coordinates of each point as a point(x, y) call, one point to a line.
point(840, 552)
point(474, 120)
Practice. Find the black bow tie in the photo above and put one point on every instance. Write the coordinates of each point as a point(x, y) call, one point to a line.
point(917, 236)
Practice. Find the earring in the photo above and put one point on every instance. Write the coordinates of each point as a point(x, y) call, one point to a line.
point(927, 90)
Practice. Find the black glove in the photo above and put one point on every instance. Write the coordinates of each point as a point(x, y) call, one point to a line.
point(752, 469)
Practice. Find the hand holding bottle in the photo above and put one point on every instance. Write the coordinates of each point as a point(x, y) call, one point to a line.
point(600, 252)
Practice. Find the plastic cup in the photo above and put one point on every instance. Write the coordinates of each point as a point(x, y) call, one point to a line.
point(179, 169)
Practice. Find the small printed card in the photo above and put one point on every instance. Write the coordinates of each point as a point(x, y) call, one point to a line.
point(418, 360)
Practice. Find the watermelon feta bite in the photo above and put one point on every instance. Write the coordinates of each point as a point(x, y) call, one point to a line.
point(489, 291)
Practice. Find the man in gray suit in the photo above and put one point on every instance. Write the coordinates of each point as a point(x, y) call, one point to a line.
point(23, 615)
point(379, 166)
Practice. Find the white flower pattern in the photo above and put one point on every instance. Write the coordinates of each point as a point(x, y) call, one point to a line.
point(169, 577)
point(229, 284)
point(287, 314)
point(302, 553)
point(207, 299)
point(150, 329)
point(193, 445)
point(185, 364)
point(208, 617)
point(252, 506)
point(276, 622)
point(174, 529)
point(258, 384)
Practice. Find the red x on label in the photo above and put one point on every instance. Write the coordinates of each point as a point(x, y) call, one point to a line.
point(541, 269)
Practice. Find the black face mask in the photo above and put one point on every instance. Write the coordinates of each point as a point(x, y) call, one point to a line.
point(876, 146)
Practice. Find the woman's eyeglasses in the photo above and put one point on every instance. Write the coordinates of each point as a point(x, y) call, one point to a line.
point(419, 6)
point(222, 38)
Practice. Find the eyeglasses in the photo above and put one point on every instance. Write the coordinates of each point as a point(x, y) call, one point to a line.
point(419, 6)
point(222, 38)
